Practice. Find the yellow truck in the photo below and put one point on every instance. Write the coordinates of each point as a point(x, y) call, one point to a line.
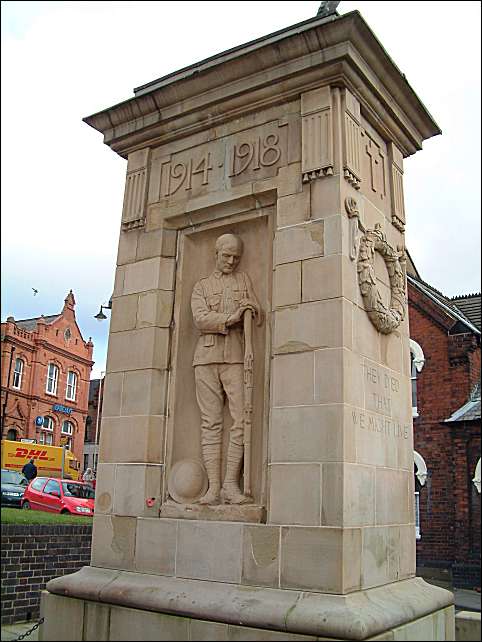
point(48, 459)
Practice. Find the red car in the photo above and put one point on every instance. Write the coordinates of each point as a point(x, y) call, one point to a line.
point(59, 496)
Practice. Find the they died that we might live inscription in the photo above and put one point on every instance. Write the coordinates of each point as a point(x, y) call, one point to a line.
point(383, 404)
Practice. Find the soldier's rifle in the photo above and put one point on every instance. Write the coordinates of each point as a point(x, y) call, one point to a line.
point(248, 397)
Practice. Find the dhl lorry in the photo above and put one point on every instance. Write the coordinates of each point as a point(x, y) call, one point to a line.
point(48, 459)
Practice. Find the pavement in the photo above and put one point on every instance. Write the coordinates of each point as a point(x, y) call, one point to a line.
point(464, 601)
point(13, 631)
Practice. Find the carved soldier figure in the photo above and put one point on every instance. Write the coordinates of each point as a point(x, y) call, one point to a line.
point(218, 304)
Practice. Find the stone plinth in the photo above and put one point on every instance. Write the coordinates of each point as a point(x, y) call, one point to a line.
point(296, 153)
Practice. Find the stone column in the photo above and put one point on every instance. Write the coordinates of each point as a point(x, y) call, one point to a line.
point(298, 150)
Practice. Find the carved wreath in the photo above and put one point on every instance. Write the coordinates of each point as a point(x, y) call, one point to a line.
point(383, 318)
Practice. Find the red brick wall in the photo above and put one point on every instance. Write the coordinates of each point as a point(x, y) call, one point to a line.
point(448, 508)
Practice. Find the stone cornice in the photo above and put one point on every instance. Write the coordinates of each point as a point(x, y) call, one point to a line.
point(342, 50)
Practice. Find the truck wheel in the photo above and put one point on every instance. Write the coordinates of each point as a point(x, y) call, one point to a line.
point(26, 506)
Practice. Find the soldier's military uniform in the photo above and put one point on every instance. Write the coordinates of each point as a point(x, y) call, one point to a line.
point(218, 366)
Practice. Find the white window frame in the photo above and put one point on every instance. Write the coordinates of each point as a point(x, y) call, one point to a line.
point(476, 479)
point(69, 432)
point(417, 516)
point(18, 374)
point(71, 389)
point(46, 438)
point(417, 359)
point(52, 379)
point(50, 424)
point(421, 474)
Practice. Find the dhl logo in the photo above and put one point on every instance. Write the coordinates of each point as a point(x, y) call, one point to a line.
point(25, 453)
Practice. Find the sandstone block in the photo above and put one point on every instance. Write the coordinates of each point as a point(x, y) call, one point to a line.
point(113, 542)
point(156, 545)
point(287, 284)
point(112, 394)
point(134, 484)
point(144, 392)
point(134, 439)
point(293, 379)
point(138, 350)
point(155, 309)
point(294, 208)
point(299, 242)
point(124, 313)
point(261, 555)
point(289, 503)
point(149, 274)
point(209, 551)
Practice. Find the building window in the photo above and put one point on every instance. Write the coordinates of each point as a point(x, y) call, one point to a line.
point(52, 379)
point(67, 428)
point(46, 438)
point(71, 391)
point(86, 461)
point(417, 516)
point(17, 374)
point(417, 361)
point(67, 334)
point(12, 434)
point(476, 479)
point(48, 423)
point(421, 474)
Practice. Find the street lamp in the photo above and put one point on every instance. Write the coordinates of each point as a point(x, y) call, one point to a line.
point(100, 316)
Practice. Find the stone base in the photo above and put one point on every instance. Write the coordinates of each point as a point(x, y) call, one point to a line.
point(104, 604)
point(219, 513)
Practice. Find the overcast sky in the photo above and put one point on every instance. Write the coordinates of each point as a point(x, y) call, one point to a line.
point(62, 188)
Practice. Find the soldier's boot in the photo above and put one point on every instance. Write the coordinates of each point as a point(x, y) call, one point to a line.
point(230, 492)
point(212, 463)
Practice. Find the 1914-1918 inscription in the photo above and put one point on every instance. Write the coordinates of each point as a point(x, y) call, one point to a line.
point(225, 159)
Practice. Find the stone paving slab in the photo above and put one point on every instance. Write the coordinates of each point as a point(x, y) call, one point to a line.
point(13, 631)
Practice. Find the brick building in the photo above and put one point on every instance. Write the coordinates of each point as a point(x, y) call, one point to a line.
point(445, 348)
point(93, 424)
point(45, 372)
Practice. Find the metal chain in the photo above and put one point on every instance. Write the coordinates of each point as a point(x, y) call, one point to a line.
point(24, 635)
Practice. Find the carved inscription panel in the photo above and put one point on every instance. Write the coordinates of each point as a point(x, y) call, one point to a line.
point(250, 155)
point(383, 390)
point(383, 427)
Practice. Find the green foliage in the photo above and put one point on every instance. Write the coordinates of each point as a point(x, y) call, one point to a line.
point(19, 516)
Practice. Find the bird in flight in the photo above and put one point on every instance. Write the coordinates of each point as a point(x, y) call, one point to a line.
point(34, 291)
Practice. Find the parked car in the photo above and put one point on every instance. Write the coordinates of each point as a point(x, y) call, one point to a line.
point(13, 487)
point(59, 496)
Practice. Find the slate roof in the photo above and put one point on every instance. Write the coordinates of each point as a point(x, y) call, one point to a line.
point(31, 324)
point(470, 411)
point(449, 305)
point(469, 305)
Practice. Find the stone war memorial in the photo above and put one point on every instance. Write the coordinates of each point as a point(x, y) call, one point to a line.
point(256, 458)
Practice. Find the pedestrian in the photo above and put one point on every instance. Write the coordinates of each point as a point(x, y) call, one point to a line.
point(30, 470)
point(88, 475)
